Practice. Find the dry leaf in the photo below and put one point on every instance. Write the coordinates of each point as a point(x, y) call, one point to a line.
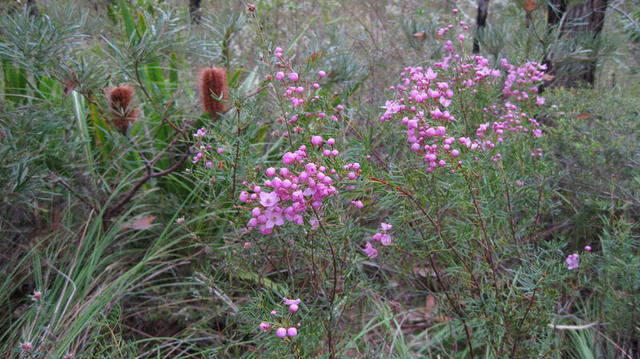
point(313, 57)
point(69, 86)
point(548, 77)
point(430, 305)
point(583, 116)
point(140, 223)
point(417, 316)
point(442, 319)
point(420, 35)
point(422, 271)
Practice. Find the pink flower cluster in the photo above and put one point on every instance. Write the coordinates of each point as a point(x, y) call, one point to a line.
point(424, 96)
point(203, 151)
point(521, 80)
point(291, 193)
point(382, 236)
point(294, 91)
point(573, 261)
point(283, 332)
point(318, 141)
point(354, 170)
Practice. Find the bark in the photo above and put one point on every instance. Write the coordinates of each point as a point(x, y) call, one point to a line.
point(586, 18)
point(481, 23)
point(555, 11)
point(194, 10)
point(32, 8)
point(596, 23)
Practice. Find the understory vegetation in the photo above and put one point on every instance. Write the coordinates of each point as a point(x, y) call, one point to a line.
point(317, 179)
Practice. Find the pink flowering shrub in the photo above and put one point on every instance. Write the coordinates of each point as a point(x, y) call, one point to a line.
point(335, 201)
point(431, 103)
point(466, 119)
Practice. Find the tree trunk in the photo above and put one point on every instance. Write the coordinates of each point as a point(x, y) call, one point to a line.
point(555, 11)
point(32, 8)
point(481, 23)
point(587, 18)
point(596, 23)
point(194, 10)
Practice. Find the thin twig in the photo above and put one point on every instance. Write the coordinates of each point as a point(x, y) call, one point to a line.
point(148, 175)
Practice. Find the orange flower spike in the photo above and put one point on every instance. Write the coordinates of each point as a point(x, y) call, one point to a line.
point(120, 100)
point(213, 83)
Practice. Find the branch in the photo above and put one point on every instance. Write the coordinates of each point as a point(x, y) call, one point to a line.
point(55, 179)
point(148, 175)
point(572, 327)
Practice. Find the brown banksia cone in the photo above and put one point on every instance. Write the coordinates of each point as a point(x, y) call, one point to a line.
point(213, 84)
point(121, 102)
point(529, 5)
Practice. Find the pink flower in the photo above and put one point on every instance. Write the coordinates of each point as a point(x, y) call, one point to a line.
point(270, 172)
point(197, 157)
point(288, 158)
point(26, 347)
point(385, 239)
point(391, 108)
point(293, 308)
point(317, 140)
point(321, 74)
point(291, 301)
point(385, 226)
point(264, 326)
point(292, 332)
point(430, 74)
point(273, 219)
point(587, 248)
point(370, 250)
point(573, 261)
point(269, 199)
point(293, 77)
point(357, 204)
point(281, 332)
